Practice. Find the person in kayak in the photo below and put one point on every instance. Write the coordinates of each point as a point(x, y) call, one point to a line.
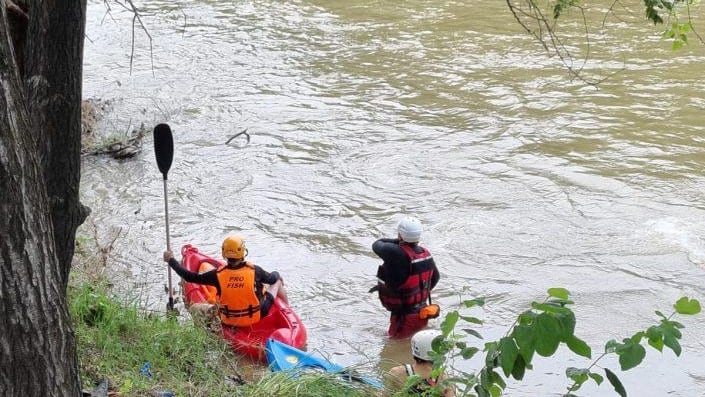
point(242, 299)
point(406, 277)
point(421, 348)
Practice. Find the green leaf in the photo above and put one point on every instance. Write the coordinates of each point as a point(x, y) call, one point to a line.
point(687, 306)
point(524, 337)
point(548, 334)
point(485, 377)
point(579, 347)
point(441, 345)
point(577, 375)
point(618, 387)
point(527, 318)
point(597, 378)
point(495, 391)
point(550, 308)
point(611, 346)
point(473, 320)
point(497, 379)
point(491, 349)
point(672, 342)
point(519, 368)
point(637, 337)
point(508, 352)
point(126, 386)
point(472, 332)
point(468, 352)
point(474, 302)
point(449, 322)
point(655, 336)
point(560, 293)
point(560, 6)
point(567, 321)
point(481, 391)
point(671, 335)
point(631, 355)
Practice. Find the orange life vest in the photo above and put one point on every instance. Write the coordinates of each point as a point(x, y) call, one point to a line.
point(210, 292)
point(239, 304)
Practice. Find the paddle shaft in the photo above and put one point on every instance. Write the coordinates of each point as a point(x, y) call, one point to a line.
point(164, 152)
point(168, 245)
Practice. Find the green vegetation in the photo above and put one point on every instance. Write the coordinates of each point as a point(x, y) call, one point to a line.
point(281, 384)
point(541, 330)
point(143, 354)
point(115, 341)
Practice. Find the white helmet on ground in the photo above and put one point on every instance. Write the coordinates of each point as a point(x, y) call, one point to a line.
point(422, 343)
point(410, 229)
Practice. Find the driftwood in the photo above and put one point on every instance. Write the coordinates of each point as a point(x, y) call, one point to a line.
point(121, 147)
point(243, 132)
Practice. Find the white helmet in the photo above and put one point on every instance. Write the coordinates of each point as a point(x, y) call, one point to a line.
point(410, 229)
point(422, 343)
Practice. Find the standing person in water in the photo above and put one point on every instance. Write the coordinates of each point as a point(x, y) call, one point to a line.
point(406, 278)
point(421, 348)
point(241, 297)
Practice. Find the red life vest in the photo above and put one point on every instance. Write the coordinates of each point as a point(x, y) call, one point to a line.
point(409, 297)
point(239, 304)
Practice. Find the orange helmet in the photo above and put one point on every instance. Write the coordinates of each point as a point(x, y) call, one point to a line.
point(234, 247)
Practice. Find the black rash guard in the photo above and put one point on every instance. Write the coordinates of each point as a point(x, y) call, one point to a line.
point(395, 269)
point(211, 277)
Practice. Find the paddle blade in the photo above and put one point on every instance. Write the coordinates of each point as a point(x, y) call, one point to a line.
point(163, 147)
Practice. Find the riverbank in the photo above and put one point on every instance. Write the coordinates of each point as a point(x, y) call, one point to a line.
point(125, 350)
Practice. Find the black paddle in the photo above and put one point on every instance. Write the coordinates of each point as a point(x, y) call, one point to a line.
point(164, 150)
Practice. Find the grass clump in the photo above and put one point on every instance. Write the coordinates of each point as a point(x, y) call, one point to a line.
point(282, 384)
point(143, 354)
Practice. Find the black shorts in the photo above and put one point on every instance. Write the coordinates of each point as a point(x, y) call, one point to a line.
point(266, 304)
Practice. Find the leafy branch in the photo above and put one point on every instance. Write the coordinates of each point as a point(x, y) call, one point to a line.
point(540, 19)
point(540, 331)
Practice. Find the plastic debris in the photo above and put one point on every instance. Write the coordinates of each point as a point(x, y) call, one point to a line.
point(146, 370)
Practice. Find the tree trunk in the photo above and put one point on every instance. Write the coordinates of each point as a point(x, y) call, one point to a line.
point(53, 80)
point(37, 345)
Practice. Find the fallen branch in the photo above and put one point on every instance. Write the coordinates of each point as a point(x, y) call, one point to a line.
point(243, 132)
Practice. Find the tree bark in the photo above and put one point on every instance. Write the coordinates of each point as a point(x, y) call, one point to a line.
point(53, 82)
point(37, 345)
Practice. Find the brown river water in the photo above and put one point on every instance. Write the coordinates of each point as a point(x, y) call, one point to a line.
point(360, 111)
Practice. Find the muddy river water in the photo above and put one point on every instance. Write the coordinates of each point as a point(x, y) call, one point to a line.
point(359, 111)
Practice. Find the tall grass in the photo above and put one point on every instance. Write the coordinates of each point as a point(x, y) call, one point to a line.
point(141, 353)
point(146, 354)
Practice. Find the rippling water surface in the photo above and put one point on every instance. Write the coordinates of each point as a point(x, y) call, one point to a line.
point(360, 111)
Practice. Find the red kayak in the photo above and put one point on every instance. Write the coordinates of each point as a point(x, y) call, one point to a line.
point(281, 323)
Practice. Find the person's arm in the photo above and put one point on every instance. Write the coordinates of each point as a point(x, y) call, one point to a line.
point(436, 275)
point(208, 278)
point(385, 247)
point(448, 391)
point(396, 377)
point(265, 276)
point(395, 268)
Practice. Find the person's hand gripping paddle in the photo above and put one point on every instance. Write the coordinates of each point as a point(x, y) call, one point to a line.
point(164, 151)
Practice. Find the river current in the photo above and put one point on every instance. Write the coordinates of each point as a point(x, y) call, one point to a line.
point(359, 112)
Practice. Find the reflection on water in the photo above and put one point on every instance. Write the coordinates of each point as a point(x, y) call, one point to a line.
point(359, 112)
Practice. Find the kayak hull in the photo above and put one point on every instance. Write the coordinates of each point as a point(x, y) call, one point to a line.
point(281, 323)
